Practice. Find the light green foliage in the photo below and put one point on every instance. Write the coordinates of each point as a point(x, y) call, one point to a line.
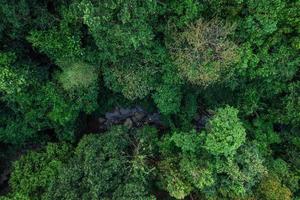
point(187, 168)
point(203, 52)
point(243, 172)
point(224, 132)
point(80, 81)
point(9, 80)
point(200, 176)
point(173, 181)
point(146, 139)
point(133, 83)
point(78, 76)
point(187, 142)
point(266, 32)
point(145, 149)
point(287, 176)
point(171, 178)
point(123, 34)
point(15, 197)
point(266, 24)
point(12, 79)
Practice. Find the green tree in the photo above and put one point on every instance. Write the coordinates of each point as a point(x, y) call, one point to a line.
point(182, 13)
point(224, 132)
point(134, 82)
point(168, 92)
point(120, 27)
point(12, 79)
point(271, 189)
point(181, 170)
point(203, 52)
point(33, 173)
point(101, 166)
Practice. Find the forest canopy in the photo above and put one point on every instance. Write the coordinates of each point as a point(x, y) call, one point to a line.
point(149, 99)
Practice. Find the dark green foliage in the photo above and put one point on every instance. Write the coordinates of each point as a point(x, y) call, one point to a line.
point(168, 99)
point(34, 172)
point(291, 105)
point(182, 13)
point(13, 17)
point(219, 80)
point(119, 27)
point(55, 44)
point(189, 108)
point(168, 94)
point(101, 166)
point(60, 42)
point(95, 171)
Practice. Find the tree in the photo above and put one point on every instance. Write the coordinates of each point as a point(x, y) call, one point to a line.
point(16, 77)
point(271, 189)
point(181, 170)
point(64, 63)
point(190, 165)
point(291, 104)
point(12, 79)
point(56, 44)
point(242, 172)
point(101, 166)
point(120, 27)
point(114, 174)
point(133, 81)
point(61, 42)
point(224, 132)
point(168, 93)
point(78, 76)
point(33, 173)
point(182, 13)
point(203, 52)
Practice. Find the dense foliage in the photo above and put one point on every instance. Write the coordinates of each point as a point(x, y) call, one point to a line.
point(221, 77)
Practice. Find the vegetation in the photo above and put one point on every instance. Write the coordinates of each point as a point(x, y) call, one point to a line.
point(129, 99)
